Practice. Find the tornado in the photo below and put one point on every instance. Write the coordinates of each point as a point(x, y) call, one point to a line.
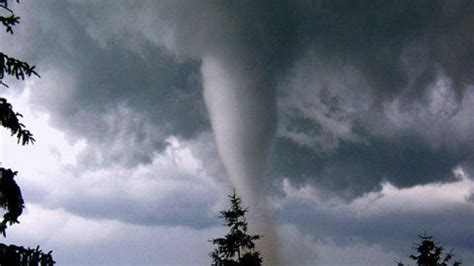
point(241, 104)
point(243, 51)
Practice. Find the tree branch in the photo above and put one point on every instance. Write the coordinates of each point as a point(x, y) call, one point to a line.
point(10, 199)
point(9, 119)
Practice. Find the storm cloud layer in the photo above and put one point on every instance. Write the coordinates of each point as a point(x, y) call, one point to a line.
point(383, 93)
point(366, 91)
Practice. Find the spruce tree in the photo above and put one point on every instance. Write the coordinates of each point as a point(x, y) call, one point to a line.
point(237, 247)
point(431, 253)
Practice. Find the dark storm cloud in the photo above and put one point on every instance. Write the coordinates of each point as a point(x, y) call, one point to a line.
point(380, 92)
point(366, 91)
point(380, 87)
point(124, 103)
point(373, 36)
point(356, 168)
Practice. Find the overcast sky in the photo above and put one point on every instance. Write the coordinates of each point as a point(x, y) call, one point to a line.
point(354, 117)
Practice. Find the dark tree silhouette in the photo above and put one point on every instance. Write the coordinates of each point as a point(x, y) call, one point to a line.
point(10, 194)
point(11, 199)
point(237, 247)
point(15, 255)
point(431, 253)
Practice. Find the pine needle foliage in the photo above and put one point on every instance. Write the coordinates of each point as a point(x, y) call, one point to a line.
point(237, 247)
point(11, 199)
point(431, 253)
point(10, 194)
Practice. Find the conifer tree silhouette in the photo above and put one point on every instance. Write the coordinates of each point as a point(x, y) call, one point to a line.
point(11, 199)
point(237, 247)
point(431, 253)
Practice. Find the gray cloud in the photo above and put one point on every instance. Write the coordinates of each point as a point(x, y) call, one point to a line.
point(357, 168)
point(125, 102)
point(366, 91)
point(78, 241)
point(377, 93)
point(470, 197)
point(177, 188)
point(392, 225)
